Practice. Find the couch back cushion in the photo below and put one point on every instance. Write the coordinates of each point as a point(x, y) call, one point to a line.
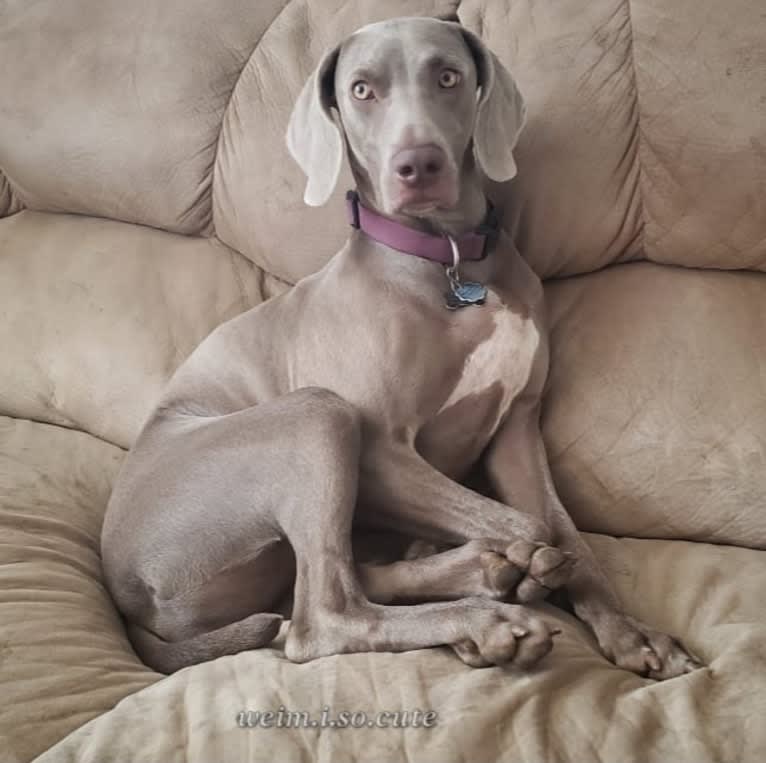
point(646, 131)
point(114, 109)
point(655, 419)
point(701, 71)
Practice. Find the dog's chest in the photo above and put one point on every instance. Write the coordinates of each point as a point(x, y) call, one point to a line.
point(495, 370)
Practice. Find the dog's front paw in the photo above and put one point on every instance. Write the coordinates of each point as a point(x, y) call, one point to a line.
point(520, 571)
point(633, 646)
point(541, 569)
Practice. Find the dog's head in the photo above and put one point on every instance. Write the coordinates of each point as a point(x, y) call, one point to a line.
point(419, 102)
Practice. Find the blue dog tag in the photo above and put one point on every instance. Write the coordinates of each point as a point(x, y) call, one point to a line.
point(471, 293)
point(462, 294)
point(465, 294)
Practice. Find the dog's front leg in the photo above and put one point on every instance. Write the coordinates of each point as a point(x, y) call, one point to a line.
point(401, 491)
point(518, 469)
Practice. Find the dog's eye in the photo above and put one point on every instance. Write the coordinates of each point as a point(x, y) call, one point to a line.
point(449, 78)
point(361, 90)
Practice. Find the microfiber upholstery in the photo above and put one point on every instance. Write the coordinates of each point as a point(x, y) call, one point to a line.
point(146, 196)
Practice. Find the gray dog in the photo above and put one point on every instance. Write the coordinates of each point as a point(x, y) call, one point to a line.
point(365, 394)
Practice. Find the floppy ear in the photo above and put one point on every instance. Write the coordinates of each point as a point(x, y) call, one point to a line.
point(500, 115)
point(313, 137)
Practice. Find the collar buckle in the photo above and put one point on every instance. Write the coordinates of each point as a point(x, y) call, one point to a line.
point(489, 228)
point(352, 204)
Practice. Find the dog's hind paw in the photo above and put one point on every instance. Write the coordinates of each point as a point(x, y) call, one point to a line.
point(512, 637)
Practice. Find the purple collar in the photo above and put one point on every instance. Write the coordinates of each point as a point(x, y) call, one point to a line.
point(473, 246)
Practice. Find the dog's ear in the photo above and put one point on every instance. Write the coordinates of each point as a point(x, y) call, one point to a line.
point(313, 137)
point(500, 115)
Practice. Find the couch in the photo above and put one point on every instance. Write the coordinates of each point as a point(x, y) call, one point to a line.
point(146, 195)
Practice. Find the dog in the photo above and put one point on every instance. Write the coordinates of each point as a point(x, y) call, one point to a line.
point(359, 401)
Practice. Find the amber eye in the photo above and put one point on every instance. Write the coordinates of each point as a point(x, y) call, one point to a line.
point(449, 78)
point(361, 90)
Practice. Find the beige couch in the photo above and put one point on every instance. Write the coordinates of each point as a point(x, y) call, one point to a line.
point(146, 195)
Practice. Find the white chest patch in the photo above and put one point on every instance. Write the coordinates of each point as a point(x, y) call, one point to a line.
point(495, 371)
point(505, 357)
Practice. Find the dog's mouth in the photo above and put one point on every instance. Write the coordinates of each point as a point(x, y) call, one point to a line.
point(417, 209)
point(423, 202)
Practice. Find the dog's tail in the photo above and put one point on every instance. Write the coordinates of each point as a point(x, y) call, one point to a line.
point(168, 656)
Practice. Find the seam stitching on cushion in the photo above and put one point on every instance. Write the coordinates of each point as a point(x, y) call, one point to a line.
point(225, 113)
point(74, 427)
point(641, 205)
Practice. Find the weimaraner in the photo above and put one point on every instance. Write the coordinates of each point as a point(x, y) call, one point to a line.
point(366, 394)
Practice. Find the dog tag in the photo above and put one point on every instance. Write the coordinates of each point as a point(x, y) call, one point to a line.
point(465, 294)
point(471, 293)
point(462, 294)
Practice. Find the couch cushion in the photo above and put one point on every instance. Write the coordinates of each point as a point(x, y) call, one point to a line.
point(64, 655)
point(575, 204)
point(96, 316)
point(574, 707)
point(655, 418)
point(701, 68)
point(114, 109)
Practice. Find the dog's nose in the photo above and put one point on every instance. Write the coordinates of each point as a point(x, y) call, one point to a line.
point(419, 166)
